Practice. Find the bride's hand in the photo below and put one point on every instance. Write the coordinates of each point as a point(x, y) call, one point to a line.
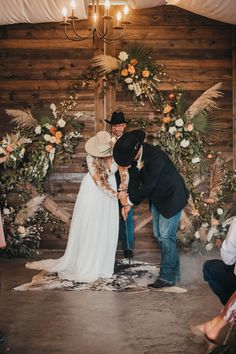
point(122, 187)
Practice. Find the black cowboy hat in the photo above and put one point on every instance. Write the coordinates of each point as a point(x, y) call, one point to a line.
point(127, 146)
point(116, 118)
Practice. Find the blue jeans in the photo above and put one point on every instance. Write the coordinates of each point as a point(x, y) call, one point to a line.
point(126, 231)
point(165, 232)
point(221, 278)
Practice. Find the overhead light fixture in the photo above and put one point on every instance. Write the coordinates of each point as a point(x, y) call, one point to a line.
point(104, 25)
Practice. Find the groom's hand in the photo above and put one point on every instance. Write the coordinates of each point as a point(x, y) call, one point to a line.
point(124, 211)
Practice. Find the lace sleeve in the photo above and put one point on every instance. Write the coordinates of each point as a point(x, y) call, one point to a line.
point(124, 178)
point(101, 185)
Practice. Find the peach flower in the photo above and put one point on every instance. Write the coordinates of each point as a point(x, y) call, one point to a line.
point(167, 109)
point(166, 120)
point(53, 139)
point(48, 148)
point(53, 130)
point(131, 69)
point(9, 148)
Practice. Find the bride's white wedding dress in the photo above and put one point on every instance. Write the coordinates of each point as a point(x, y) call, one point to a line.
point(93, 236)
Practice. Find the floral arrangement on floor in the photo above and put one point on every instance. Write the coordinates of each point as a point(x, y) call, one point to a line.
point(44, 132)
point(184, 132)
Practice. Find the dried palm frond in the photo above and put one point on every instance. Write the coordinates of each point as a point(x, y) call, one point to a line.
point(105, 64)
point(215, 180)
point(22, 117)
point(42, 113)
point(28, 211)
point(182, 103)
point(205, 102)
point(206, 124)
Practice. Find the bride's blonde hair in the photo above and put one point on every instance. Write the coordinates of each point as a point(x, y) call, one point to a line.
point(101, 165)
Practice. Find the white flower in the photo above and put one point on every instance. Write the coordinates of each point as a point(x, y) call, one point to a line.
point(123, 56)
point(219, 211)
point(22, 152)
point(47, 137)
point(179, 122)
point(172, 130)
point(78, 114)
point(6, 211)
point(38, 129)
point(53, 107)
point(196, 159)
point(137, 89)
point(213, 231)
point(129, 80)
point(209, 246)
point(205, 224)
point(184, 143)
point(197, 235)
point(130, 87)
point(61, 123)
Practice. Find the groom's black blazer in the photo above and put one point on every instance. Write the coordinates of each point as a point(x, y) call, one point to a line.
point(160, 182)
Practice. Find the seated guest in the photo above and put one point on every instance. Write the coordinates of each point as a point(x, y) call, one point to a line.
point(221, 273)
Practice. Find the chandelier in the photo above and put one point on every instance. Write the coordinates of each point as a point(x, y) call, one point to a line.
point(104, 25)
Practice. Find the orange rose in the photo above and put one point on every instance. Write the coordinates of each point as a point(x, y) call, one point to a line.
point(178, 135)
point(145, 73)
point(124, 72)
point(166, 120)
point(133, 61)
point(9, 148)
point(48, 148)
point(131, 69)
point(53, 130)
point(58, 134)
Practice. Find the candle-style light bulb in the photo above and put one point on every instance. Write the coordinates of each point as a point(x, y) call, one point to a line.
point(107, 5)
point(64, 13)
point(118, 16)
point(94, 18)
point(126, 10)
point(73, 4)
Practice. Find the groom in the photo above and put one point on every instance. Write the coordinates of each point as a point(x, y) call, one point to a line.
point(162, 184)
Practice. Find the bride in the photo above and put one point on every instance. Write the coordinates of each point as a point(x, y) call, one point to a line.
point(93, 236)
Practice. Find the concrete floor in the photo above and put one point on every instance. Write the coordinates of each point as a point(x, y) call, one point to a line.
point(105, 322)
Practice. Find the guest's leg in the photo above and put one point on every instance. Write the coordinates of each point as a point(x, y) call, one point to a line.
point(221, 278)
point(169, 267)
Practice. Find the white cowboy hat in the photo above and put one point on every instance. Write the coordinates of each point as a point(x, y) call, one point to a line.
point(99, 145)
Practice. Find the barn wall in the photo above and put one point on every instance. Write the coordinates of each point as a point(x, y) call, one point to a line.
point(38, 63)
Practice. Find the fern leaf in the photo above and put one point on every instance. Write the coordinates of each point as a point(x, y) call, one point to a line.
point(22, 117)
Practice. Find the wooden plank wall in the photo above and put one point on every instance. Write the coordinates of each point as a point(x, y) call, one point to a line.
point(38, 63)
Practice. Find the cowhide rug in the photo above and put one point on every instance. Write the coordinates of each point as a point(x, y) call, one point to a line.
point(127, 277)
